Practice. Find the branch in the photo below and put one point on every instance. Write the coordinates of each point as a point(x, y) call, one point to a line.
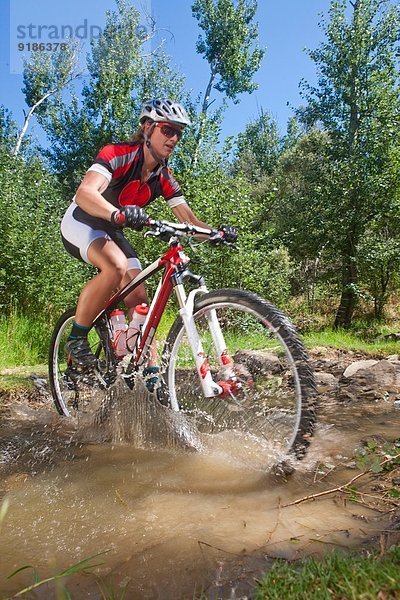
point(339, 488)
point(35, 106)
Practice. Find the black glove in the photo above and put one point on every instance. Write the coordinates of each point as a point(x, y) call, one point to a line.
point(230, 233)
point(130, 216)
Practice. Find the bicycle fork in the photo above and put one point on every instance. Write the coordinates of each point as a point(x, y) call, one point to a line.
point(209, 387)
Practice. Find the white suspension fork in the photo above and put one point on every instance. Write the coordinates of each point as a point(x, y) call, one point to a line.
point(224, 358)
point(209, 387)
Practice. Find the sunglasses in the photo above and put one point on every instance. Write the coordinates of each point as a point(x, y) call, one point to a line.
point(169, 131)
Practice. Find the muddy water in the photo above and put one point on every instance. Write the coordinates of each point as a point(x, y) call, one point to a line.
point(172, 521)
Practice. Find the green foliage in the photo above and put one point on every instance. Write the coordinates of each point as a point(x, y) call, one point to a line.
point(258, 148)
point(8, 130)
point(48, 71)
point(35, 276)
point(229, 36)
point(24, 340)
point(349, 340)
point(379, 262)
point(297, 201)
point(357, 100)
point(379, 458)
point(335, 576)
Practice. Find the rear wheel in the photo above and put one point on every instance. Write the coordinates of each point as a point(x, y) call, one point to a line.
point(71, 388)
point(273, 409)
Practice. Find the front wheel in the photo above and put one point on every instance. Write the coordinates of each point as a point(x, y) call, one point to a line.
point(273, 410)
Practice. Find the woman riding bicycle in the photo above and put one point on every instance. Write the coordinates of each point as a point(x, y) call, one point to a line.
point(123, 179)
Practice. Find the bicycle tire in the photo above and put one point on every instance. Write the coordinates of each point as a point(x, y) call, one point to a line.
point(66, 384)
point(284, 415)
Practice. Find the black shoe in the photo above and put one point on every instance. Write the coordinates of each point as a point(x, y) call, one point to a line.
point(80, 353)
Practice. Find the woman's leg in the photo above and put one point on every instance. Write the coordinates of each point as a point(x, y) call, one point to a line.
point(139, 296)
point(106, 256)
point(112, 262)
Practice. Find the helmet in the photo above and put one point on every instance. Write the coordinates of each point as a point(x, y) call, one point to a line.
point(164, 110)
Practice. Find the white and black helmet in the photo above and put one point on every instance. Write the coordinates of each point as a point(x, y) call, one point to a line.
point(164, 110)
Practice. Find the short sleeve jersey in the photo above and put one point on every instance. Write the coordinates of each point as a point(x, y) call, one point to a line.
point(122, 165)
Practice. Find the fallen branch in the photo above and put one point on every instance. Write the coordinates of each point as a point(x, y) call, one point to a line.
point(339, 488)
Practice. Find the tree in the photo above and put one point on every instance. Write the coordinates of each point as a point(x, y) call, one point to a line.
point(297, 208)
point(35, 274)
point(356, 100)
point(258, 148)
point(230, 35)
point(121, 76)
point(46, 74)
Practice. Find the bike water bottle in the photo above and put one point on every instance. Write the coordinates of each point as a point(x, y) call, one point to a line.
point(119, 329)
point(138, 318)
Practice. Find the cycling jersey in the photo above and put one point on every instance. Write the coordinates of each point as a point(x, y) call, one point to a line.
point(122, 165)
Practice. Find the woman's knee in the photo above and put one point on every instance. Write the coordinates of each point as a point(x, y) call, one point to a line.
point(107, 257)
point(120, 266)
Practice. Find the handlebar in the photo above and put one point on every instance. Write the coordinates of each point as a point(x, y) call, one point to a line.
point(165, 230)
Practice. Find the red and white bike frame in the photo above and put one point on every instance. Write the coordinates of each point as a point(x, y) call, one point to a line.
point(175, 265)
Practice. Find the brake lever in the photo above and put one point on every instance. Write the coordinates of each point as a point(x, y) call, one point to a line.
point(152, 233)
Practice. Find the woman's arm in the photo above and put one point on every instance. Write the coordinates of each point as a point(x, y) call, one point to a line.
point(89, 198)
point(184, 214)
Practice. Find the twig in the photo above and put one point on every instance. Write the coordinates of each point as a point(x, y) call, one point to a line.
point(328, 543)
point(200, 543)
point(271, 533)
point(339, 488)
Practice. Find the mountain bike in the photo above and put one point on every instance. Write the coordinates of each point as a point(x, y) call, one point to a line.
point(232, 362)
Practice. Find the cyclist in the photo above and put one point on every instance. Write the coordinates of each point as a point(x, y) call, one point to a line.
point(123, 179)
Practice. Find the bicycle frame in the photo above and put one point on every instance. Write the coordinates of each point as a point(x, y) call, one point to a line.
point(175, 264)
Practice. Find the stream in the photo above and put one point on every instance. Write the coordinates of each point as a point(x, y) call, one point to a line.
point(172, 522)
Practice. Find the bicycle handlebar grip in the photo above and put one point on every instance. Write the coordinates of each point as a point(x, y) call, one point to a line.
point(130, 216)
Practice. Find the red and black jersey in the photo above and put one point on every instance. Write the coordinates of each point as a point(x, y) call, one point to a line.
point(122, 165)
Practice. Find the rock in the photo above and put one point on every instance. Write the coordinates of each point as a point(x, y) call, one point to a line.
point(393, 358)
point(357, 366)
point(392, 337)
point(375, 438)
point(325, 381)
point(370, 380)
point(257, 361)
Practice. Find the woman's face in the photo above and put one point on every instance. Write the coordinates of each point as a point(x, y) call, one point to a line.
point(164, 138)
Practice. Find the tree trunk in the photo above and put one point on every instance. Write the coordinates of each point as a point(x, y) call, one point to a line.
point(348, 299)
point(35, 106)
point(203, 116)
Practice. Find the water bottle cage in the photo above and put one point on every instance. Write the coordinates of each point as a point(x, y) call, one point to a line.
point(133, 338)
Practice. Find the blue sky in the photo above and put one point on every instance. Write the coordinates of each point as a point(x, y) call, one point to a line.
point(285, 28)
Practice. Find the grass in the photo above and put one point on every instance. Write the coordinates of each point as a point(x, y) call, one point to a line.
point(24, 343)
point(349, 340)
point(335, 577)
point(23, 340)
